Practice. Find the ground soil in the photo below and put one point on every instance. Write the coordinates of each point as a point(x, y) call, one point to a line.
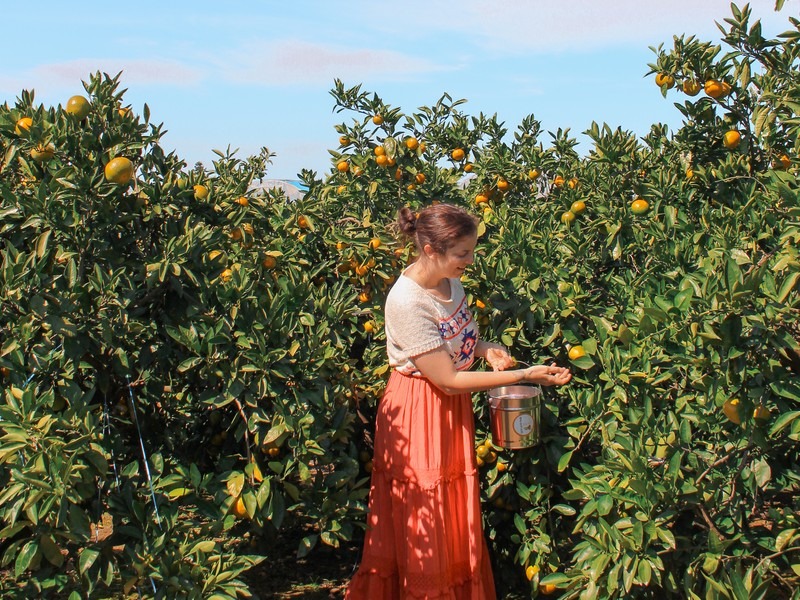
point(322, 574)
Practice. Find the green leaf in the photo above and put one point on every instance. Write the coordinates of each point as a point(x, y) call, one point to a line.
point(25, 557)
point(87, 559)
point(563, 462)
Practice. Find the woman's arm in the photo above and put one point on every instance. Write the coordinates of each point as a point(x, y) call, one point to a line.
point(437, 367)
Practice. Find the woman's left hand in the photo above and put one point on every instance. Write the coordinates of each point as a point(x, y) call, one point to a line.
point(499, 358)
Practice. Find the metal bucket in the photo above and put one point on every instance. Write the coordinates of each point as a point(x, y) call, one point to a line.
point(514, 411)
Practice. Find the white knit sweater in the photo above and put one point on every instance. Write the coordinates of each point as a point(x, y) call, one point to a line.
point(418, 321)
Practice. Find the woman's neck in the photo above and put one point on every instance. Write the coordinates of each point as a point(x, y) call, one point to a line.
point(428, 279)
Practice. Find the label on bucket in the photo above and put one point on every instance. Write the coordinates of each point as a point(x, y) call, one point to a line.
point(523, 424)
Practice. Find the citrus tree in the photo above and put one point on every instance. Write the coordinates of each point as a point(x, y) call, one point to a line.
point(189, 361)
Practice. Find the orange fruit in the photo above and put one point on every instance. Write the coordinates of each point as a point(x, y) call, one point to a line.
point(689, 173)
point(344, 140)
point(731, 410)
point(761, 414)
point(269, 262)
point(43, 153)
point(576, 352)
point(640, 206)
point(691, 87)
point(481, 199)
point(482, 451)
point(716, 88)
point(341, 189)
point(369, 327)
point(458, 154)
point(547, 588)
point(239, 509)
point(534, 173)
point(302, 222)
point(398, 174)
point(357, 171)
point(567, 217)
point(200, 192)
point(242, 201)
point(480, 304)
point(23, 125)
point(343, 166)
point(377, 120)
point(420, 178)
point(379, 151)
point(573, 183)
point(578, 207)
point(382, 160)
point(364, 297)
point(119, 170)
point(558, 181)
point(665, 79)
point(78, 107)
point(531, 571)
point(502, 184)
point(731, 139)
point(782, 162)
point(468, 168)
point(375, 243)
point(412, 143)
point(125, 111)
point(226, 275)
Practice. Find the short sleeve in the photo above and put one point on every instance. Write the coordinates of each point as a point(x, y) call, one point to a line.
point(410, 327)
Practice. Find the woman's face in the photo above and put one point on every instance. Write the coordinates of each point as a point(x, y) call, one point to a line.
point(458, 257)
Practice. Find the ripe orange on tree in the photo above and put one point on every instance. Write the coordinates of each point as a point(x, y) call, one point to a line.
point(375, 243)
point(531, 571)
point(78, 107)
point(242, 201)
point(269, 262)
point(412, 143)
point(558, 181)
point(567, 217)
point(344, 140)
point(691, 87)
point(302, 222)
point(502, 184)
point(640, 206)
point(379, 151)
point(731, 410)
point(731, 139)
point(534, 173)
point(200, 192)
point(341, 189)
point(364, 297)
point(665, 79)
point(382, 160)
point(458, 154)
point(717, 88)
point(119, 170)
point(573, 183)
point(420, 178)
point(547, 588)
point(377, 120)
point(468, 168)
point(343, 166)
point(782, 162)
point(23, 125)
point(576, 352)
point(369, 326)
point(761, 414)
point(481, 199)
point(239, 509)
point(578, 207)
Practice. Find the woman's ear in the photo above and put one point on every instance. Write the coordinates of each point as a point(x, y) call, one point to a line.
point(428, 250)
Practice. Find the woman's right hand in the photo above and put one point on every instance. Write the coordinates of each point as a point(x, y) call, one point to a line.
point(547, 375)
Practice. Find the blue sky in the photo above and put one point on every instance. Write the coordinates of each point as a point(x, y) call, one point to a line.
point(259, 73)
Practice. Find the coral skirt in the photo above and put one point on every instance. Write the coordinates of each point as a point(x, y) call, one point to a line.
point(424, 535)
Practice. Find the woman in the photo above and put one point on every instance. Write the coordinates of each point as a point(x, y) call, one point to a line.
point(424, 534)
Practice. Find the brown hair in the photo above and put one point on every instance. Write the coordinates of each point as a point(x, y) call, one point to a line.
point(440, 225)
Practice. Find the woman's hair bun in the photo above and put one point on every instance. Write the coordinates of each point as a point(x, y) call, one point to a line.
point(407, 221)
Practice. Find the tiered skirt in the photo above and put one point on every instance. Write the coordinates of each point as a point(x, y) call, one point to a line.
point(424, 535)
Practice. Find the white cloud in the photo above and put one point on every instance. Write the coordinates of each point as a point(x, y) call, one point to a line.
point(297, 62)
point(514, 26)
point(134, 71)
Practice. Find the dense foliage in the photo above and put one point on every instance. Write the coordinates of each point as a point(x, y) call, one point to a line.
point(188, 359)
